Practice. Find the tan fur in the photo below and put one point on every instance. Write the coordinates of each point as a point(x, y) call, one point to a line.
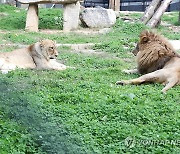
point(156, 57)
point(153, 51)
point(36, 56)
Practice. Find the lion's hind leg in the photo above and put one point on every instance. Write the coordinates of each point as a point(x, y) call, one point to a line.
point(171, 82)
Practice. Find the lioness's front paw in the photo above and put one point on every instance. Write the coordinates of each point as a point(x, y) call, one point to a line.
point(61, 68)
point(4, 71)
point(71, 67)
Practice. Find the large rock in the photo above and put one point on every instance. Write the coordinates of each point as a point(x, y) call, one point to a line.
point(98, 17)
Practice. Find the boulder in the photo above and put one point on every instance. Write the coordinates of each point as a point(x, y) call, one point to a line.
point(98, 17)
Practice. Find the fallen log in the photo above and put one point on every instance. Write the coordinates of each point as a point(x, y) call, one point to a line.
point(157, 16)
point(150, 11)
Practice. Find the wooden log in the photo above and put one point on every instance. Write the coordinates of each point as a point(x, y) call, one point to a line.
point(114, 4)
point(111, 4)
point(157, 16)
point(117, 5)
point(179, 16)
point(150, 11)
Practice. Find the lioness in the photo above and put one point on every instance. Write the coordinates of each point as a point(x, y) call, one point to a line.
point(156, 57)
point(40, 55)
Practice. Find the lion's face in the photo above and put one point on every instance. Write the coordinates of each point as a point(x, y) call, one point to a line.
point(143, 42)
point(136, 49)
point(48, 48)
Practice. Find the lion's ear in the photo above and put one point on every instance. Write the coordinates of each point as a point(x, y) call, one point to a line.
point(161, 53)
point(41, 43)
point(144, 39)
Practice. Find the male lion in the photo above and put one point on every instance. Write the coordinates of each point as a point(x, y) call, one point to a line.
point(156, 59)
point(40, 55)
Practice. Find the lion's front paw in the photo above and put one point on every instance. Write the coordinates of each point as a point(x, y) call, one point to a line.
point(126, 71)
point(163, 91)
point(130, 71)
point(122, 82)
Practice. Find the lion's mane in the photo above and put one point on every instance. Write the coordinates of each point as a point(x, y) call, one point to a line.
point(153, 52)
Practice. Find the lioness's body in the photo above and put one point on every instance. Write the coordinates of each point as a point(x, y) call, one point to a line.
point(156, 57)
point(36, 56)
point(15, 58)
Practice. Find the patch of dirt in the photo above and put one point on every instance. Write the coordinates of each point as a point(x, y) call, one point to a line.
point(13, 45)
point(78, 46)
point(85, 31)
point(127, 16)
point(171, 27)
point(2, 14)
point(96, 53)
point(3, 32)
point(129, 60)
point(175, 28)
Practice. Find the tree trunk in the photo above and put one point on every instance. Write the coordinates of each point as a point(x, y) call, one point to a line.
point(157, 16)
point(179, 14)
point(114, 4)
point(150, 11)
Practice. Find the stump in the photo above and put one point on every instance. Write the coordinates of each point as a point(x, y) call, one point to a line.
point(71, 16)
point(32, 19)
point(71, 13)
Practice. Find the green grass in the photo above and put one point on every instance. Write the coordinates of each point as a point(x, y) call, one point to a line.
point(15, 18)
point(13, 138)
point(171, 18)
point(81, 110)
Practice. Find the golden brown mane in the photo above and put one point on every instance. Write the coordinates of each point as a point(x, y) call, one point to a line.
point(153, 52)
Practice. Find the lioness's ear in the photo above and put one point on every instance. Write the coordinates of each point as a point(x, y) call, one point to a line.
point(144, 39)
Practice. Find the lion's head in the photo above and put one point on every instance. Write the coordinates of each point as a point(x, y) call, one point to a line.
point(152, 51)
point(48, 49)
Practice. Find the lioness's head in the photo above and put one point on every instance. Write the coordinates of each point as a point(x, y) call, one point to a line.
point(48, 48)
